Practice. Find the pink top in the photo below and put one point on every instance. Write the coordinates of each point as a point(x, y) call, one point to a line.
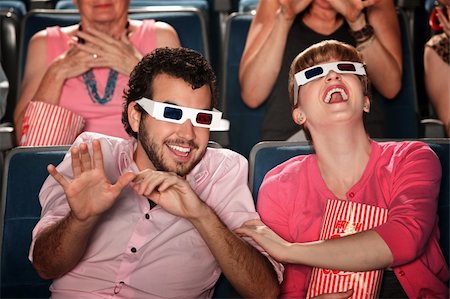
point(106, 119)
point(403, 177)
point(136, 252)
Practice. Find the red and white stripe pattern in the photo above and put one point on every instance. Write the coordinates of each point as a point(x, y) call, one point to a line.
point(46, 124)
point(343, 218)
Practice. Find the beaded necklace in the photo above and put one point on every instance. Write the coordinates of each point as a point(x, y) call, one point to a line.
point(91, 83)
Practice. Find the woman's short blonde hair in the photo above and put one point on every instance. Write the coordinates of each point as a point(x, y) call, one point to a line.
point(323, 52)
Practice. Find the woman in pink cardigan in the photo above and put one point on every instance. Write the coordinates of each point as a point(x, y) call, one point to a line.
point(328, 89)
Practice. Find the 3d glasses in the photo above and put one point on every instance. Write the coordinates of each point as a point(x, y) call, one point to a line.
point(321, 70)
point(177, 114)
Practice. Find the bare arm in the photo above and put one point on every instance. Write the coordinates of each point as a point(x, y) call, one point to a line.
point(249, 271)
point(383, 54)
point(436, 73)
point(166, 36)
point(54, 252)
point(89, 195)
point(264, 48)
point(44, 83)
point(362, 251)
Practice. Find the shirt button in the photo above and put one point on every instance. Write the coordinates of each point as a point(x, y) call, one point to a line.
point(401, 273)
point(351, 194)
point(133, 249)
point(147, 216)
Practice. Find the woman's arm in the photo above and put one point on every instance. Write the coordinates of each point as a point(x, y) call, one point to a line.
point(382, 53)
point(363, 251)
point(264, 48)
point(166, 36)
point(44, 83)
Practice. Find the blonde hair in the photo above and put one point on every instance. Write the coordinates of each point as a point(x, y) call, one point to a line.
point(324, 52)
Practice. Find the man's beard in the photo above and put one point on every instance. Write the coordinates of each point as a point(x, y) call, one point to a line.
point(154, 153)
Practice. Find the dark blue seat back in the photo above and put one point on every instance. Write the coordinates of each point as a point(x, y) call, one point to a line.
point(24, 172)
point(17, 6)
point(266, 155)
point(245, 122)
point(189, 23)
point(247, 5)
point(402, 113)
point(203, 5)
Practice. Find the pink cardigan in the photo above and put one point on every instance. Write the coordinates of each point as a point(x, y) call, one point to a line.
point(403, 177)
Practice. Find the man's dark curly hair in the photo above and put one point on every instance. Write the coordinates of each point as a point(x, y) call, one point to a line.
point(181, 63)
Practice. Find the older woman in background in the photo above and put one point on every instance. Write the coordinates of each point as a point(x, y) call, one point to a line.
point(80, 71)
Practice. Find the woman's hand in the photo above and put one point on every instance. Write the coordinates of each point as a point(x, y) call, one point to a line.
point(351, 10)
point(118, 54)
point(273, 244)
point(340, 295)
point(72, 63)
point(290, 8)
point(444, 21)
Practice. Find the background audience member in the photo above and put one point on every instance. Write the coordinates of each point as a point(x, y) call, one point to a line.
point(83, 69)
point(350, 169)
point(437, 66)
point(283, 28)
point(151, 216)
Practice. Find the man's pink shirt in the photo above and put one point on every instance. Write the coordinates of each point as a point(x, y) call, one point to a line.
point(138, 252)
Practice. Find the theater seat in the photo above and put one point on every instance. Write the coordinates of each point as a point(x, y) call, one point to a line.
point(11, 14)
point(266, 155)
point(24, 172)
point(245, 122)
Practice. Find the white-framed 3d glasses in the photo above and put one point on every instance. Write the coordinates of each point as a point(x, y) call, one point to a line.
point(178, 114)
point(321, 70)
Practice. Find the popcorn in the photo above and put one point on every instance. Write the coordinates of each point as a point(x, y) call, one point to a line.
point(344, 218)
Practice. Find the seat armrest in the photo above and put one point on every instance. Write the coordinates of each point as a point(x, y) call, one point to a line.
point(7, 138)
point(432, 128)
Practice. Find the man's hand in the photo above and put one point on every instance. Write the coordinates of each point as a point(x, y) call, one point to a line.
point(90, 193)
point(171, 192)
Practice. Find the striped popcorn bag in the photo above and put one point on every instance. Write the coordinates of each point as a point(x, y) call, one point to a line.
point(343, 218)
point(46, 124)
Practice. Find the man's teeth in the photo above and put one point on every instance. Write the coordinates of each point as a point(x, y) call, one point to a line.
point(330, 93)
point(180, 149)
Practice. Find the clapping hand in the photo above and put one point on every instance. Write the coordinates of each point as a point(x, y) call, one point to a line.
point(107, 51)
point(89, 193)
point(290, 8)
point(443, 20)
point(351, 9)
